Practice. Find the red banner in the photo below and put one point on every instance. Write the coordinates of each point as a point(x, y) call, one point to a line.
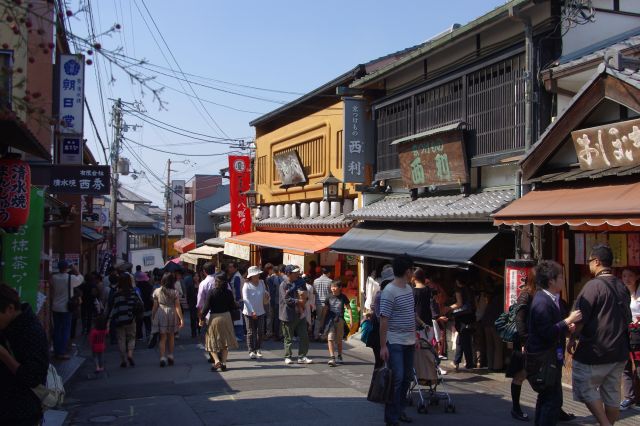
point(239, 181)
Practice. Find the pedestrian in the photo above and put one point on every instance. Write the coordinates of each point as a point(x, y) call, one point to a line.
point(292, 300)
point(548, 328)
point(493, 342)
point(254, 294)
point(333, 320)
point(24, 360)
point(167, 316)
point(630, 377)
point(125, 309)
point(322, 286)
point(372, 286)
point(220, 332)
point(191, 296)
point(273, 322)
point(97, 340)
point(63, 289)
point(311, 303)
point(386, 276)
point(235, 282)
point(145, 291)
point(398, 336)
point(464, 314)
point(603, 338)
point(89, 291)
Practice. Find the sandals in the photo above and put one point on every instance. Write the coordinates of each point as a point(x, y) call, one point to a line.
point(216, 366)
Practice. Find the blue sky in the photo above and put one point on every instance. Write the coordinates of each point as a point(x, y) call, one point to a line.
point(291, 46)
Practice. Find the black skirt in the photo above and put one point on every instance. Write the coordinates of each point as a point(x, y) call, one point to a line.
point(517, 363)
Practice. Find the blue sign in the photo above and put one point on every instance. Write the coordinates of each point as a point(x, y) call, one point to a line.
point(71, 146)
point(72, 67)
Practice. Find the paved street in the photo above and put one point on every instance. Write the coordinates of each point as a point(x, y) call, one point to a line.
point(268, 392)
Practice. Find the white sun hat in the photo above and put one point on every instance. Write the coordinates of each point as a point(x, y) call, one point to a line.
point(253, 271)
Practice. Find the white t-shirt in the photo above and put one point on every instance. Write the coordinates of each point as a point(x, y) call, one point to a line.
point(371, 288)
point(59, 288)
point(635, 305)
point(396, 304)
point(252, 297)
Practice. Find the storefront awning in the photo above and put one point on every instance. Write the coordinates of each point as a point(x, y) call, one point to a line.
point(443, 246)
point(614, 205)
point(184, 245)
point(203, 252)
point(289, 242)
point(91, 234)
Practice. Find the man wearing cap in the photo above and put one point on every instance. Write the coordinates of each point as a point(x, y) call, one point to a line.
point(322, 285)
point(292, 302)
point(63, 285)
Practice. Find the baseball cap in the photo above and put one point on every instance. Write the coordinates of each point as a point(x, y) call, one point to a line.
point(289, 269)
point(387, 275)
point(62, 265)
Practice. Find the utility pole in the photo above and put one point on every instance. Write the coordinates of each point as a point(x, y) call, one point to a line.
point(115, 156)
point(168, 192)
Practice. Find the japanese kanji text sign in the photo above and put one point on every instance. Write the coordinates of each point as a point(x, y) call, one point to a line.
point(72, 179)
point(15, 181)
point(239, 182)
point(355, 147)
point(435, 160)
point(289, 168)
point(71, 150)
point(177, 204)
point(21, 251)
point(71, 93)
point(612, 145)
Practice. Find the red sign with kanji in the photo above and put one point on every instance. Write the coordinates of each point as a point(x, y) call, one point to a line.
point(240, 181)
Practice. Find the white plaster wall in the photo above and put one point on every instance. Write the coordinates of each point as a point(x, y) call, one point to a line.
point(606, 25)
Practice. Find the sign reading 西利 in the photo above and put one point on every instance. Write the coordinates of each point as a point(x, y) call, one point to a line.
point(177, 204)
point(71, 93)
point(66, 179)
point(239, 182)
point(436, 160)
point(289, 168)
point(21, 251)
point(357, 131)
point(611, 145)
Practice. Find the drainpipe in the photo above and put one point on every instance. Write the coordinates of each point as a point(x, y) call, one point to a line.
point(528, 76)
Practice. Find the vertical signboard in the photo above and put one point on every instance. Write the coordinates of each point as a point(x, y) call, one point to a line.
point(21, 252)
point(177, 204)
point(356, 134)
point(239, 182)
point(71, 93)
point(516, 275)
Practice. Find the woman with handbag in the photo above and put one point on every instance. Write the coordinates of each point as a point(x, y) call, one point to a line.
point(126, 307)
point(463, 312)
point(166, 316)
point(220, 333)
point(631, 373)
point(546, 342)
point(254, 296)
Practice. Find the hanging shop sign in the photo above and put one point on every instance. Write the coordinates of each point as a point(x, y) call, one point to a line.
point(239, 182)
point(293, 259)
point(177, 204)
point(15, 178)
point(72, 179)
point(21, 251)
point(611, 145)
point(238, 251)
point(70, 91)
point(516, 273)
point(71, 150)
point(356, 146)
point(289, 168)
point(434, 161)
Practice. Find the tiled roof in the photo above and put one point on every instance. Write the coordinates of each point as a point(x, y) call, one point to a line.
point(577, 174)
point(128, 196)
point(221, 211)
point(330, 222)
point(127, 216)
point(475, 207)
point(224, 226)
point(215, 242)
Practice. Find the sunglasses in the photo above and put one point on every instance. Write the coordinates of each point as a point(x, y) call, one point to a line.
point(591, 259)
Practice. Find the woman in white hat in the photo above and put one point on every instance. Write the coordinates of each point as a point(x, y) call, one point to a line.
point(254, 295)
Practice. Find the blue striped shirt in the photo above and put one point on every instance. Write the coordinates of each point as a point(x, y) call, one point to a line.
point(397, 305)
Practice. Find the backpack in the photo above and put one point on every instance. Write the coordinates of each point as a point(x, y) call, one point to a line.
point(51, 395)
point(506, 323)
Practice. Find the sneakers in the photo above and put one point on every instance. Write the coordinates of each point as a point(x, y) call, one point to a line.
point(252, 355)
point(288, 361)
point(163, 362)
point(305, 360)
point(626, 404)
point(332, 362)
point(339, 360)
point(442, 372)
point(259, 353)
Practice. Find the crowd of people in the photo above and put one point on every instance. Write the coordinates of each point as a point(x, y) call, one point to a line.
point(283, 303)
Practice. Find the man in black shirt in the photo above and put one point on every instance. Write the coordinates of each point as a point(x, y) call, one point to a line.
point(603, 340)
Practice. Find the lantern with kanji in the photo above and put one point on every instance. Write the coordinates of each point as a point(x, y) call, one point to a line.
point(15, 185)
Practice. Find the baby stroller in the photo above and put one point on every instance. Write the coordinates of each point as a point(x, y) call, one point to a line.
point(427, 377)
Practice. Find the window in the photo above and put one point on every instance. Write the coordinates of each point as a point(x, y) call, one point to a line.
point(312, 157)
point(262, 170)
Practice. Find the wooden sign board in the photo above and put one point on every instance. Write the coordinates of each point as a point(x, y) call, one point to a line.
point(612, 145)
point(289, 168)
point(436, 160)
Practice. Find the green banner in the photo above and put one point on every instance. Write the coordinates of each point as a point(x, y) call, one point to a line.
point(21, 252)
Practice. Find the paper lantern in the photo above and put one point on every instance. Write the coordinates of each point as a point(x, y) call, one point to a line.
point(15, 186)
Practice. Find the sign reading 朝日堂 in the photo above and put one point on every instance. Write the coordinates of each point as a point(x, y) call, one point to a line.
point(239, 182)
point(611, 145)
point(71, 93)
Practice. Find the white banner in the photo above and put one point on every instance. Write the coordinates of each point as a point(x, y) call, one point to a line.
point(237, 250)
point(71, 93)
point(293, 259)
point(177, 204)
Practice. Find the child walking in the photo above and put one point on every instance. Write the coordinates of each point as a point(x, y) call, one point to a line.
point(97, 340)
point(333, 318)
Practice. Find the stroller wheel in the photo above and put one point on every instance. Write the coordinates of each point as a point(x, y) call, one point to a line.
point(422, 409)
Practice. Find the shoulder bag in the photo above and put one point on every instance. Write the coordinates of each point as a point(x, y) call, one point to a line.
point(542, 369)
point(506, 323)
point(381, 388)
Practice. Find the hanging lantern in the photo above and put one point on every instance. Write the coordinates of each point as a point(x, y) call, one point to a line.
point(15, 186)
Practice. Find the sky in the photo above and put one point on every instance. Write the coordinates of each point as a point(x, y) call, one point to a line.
point(265, 52)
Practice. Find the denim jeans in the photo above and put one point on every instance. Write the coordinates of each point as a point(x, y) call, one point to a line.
point(549, 403)
point(401, 364)
point(61, 332)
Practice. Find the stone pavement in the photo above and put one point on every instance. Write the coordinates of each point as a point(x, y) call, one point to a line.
point(268, 392)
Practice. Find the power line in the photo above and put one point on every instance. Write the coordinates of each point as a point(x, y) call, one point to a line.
point(178, 153)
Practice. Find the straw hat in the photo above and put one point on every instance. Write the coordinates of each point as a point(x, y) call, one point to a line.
point(253, 271)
